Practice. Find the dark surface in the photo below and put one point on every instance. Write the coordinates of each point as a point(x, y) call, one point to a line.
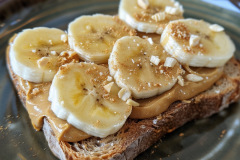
point(212, 138)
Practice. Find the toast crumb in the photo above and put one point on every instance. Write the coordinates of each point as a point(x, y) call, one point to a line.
point(181, 134)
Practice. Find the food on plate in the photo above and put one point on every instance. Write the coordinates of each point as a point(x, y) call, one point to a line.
point(103, 90)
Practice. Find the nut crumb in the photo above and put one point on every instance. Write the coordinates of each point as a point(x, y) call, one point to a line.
point(181, 134)
point(216, 28)
point(108, 87)
point(124, 94)
point(132, 103)
point(194, 78)
point(64, 38)
point(160, 16)
point(170, 62)
point(144, 4)
point(155, 60)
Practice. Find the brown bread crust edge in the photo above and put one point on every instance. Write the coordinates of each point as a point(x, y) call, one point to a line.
point(138, 135)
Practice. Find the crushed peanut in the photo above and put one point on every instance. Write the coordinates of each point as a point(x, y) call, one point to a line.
point(64, 38)
point(53, 53)
point(109, 78)
point(150, 41)
point(144, 4)
point(155, 60)
point(50, 41)
point(180, 81)
point(194, 40)
point(216, 28)
point(108, 87)
point(194, 78)
point(172, 10)
point(42, 62)
point(160, 16)
point(132, 103)
point(170, 62)
point(124, 94)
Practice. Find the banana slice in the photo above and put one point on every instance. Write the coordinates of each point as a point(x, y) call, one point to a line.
point(34, 53)
point(85, 95)
point(197, 43)
point(150, 16)
point(143, 68)
point(93, 37)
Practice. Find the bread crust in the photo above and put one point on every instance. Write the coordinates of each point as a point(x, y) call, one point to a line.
point(138, 135)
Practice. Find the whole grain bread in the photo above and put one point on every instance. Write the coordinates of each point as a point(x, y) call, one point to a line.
point(137, 135)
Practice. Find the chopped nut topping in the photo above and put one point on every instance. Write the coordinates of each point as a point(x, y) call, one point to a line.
point(108, 86)
point(88, 27)
point(64, 38)
point(216, 28)
point(35, 91)
point(42, 62)
point(109, 78)
point(50, 41)
point(53, 53)
point(144, 4)
point(194, 40)
point(132, 103)
point(155, 60)
point(133, 61)
point(159, 16)
point(172, 10)
point(124, 94)
point(180, 80)
point(64, 53)
point(150, 41)
point(170, 62)
point(194, 78)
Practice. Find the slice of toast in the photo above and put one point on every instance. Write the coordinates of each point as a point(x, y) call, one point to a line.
point(137, 135)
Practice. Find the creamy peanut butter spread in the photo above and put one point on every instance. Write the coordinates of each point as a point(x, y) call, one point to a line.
point(156, 105)
point(38, 106)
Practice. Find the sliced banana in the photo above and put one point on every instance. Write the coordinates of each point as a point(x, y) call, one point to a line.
point(150, 16)
point(140, 67)
point(197, 43)
point(34, 53)
point(93, 37)
point(81, 95)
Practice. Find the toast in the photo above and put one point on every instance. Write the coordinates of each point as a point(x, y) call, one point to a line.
point(137, 135)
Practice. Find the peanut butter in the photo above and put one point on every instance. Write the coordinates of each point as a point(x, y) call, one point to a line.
point(38, 106)
point(156, 105)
